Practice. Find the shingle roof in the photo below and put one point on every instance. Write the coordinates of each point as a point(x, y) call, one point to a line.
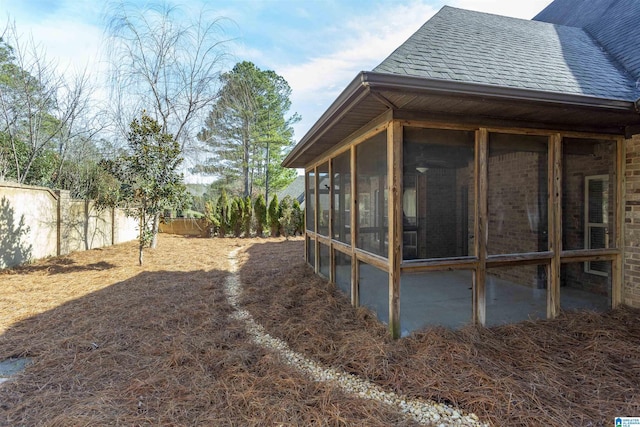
point(467, 46)
point(615, 24)
point(295, 190)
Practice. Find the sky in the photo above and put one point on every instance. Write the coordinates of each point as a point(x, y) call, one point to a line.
point(318, 46)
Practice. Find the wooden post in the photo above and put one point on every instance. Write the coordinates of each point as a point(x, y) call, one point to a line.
point(555, 224)
point(480, 228)
point(332, 264)
point(306, 211)
point(617, 265)
point(316, 202)
point(355, 270)
point(394, 182)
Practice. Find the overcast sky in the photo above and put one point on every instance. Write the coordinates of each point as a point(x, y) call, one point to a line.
point(318, 46)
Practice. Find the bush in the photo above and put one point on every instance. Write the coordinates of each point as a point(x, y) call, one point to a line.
point(246, 216)
point(274, 216)
point(236, 215)
point(298, 218)
point(260, 211)
point(287, 217)
point(222, 211)
point(210, 215)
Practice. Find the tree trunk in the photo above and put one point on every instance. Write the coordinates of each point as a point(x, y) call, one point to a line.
point(154, 230)
point(245, 159)
point(141, 238)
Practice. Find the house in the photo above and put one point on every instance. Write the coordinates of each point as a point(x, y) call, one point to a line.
point(295, 190)
point(487, 171)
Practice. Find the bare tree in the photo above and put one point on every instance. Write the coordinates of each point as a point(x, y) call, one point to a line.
point(167, 64)
point(39, 108)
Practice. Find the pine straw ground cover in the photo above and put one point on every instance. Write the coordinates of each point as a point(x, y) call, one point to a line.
point(582, 369)
point(113, 343)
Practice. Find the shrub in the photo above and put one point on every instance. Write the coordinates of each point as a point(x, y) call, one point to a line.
point(237, 209)
point(210, 215)
point(298, 218)
point(222, 211)
point(287, 217)
point(274, 216)
point(246, 216)
point(260, 211)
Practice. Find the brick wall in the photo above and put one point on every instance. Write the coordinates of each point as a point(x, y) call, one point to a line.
point(517, 218)
point(438, 227)
point(631, 286)
point(597, 159)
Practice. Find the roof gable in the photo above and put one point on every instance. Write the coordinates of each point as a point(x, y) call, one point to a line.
point(467, 46)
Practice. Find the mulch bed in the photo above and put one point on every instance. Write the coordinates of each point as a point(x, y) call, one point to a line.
point(581, 369)
point(113, 343)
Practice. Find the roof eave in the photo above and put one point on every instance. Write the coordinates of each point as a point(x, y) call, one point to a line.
point(366, 82)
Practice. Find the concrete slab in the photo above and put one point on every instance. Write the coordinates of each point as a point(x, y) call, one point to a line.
point(444, 298)
point(12, 366)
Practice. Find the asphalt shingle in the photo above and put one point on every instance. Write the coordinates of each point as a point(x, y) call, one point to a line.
point(467, 46)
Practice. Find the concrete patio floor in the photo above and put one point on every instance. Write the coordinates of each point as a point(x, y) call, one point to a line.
point(444, 298)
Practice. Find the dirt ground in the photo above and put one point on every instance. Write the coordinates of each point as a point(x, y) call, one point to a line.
point(113, 343)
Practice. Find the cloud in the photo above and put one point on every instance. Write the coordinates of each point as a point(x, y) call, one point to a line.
point(361, 43)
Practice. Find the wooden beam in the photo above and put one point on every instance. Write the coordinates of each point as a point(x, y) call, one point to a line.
point(355, 270)
point(555, 225)
point(374, 127)
point(470, 264)
point(581, 255)
point(377, 261)
point(480, 226)
point(394, 182)
point(617, 267)
point(449, 121)
point(529, 258)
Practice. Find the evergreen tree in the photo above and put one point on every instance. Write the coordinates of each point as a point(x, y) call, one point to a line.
point(274, 216)
point(260, 210)
point(222, 210)
point(247, 216)
point(248, 129)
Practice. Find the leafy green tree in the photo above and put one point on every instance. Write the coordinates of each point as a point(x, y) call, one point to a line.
point(249, 116)
point(260, 211)
point(274, 216)
point(150, 179)
point(247, 216)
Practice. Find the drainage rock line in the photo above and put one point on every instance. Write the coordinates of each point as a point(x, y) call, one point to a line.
point(423, 412)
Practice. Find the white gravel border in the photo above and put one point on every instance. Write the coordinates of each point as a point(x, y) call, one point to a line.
point(424, 412)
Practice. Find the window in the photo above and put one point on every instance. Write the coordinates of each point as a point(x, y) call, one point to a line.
point(596, 215)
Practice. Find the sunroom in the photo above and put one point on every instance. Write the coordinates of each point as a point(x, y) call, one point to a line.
point(448, 203)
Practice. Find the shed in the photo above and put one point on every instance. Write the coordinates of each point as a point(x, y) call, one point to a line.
point(487, 171)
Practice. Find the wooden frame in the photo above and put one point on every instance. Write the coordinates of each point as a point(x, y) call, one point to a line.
point(552, 259)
